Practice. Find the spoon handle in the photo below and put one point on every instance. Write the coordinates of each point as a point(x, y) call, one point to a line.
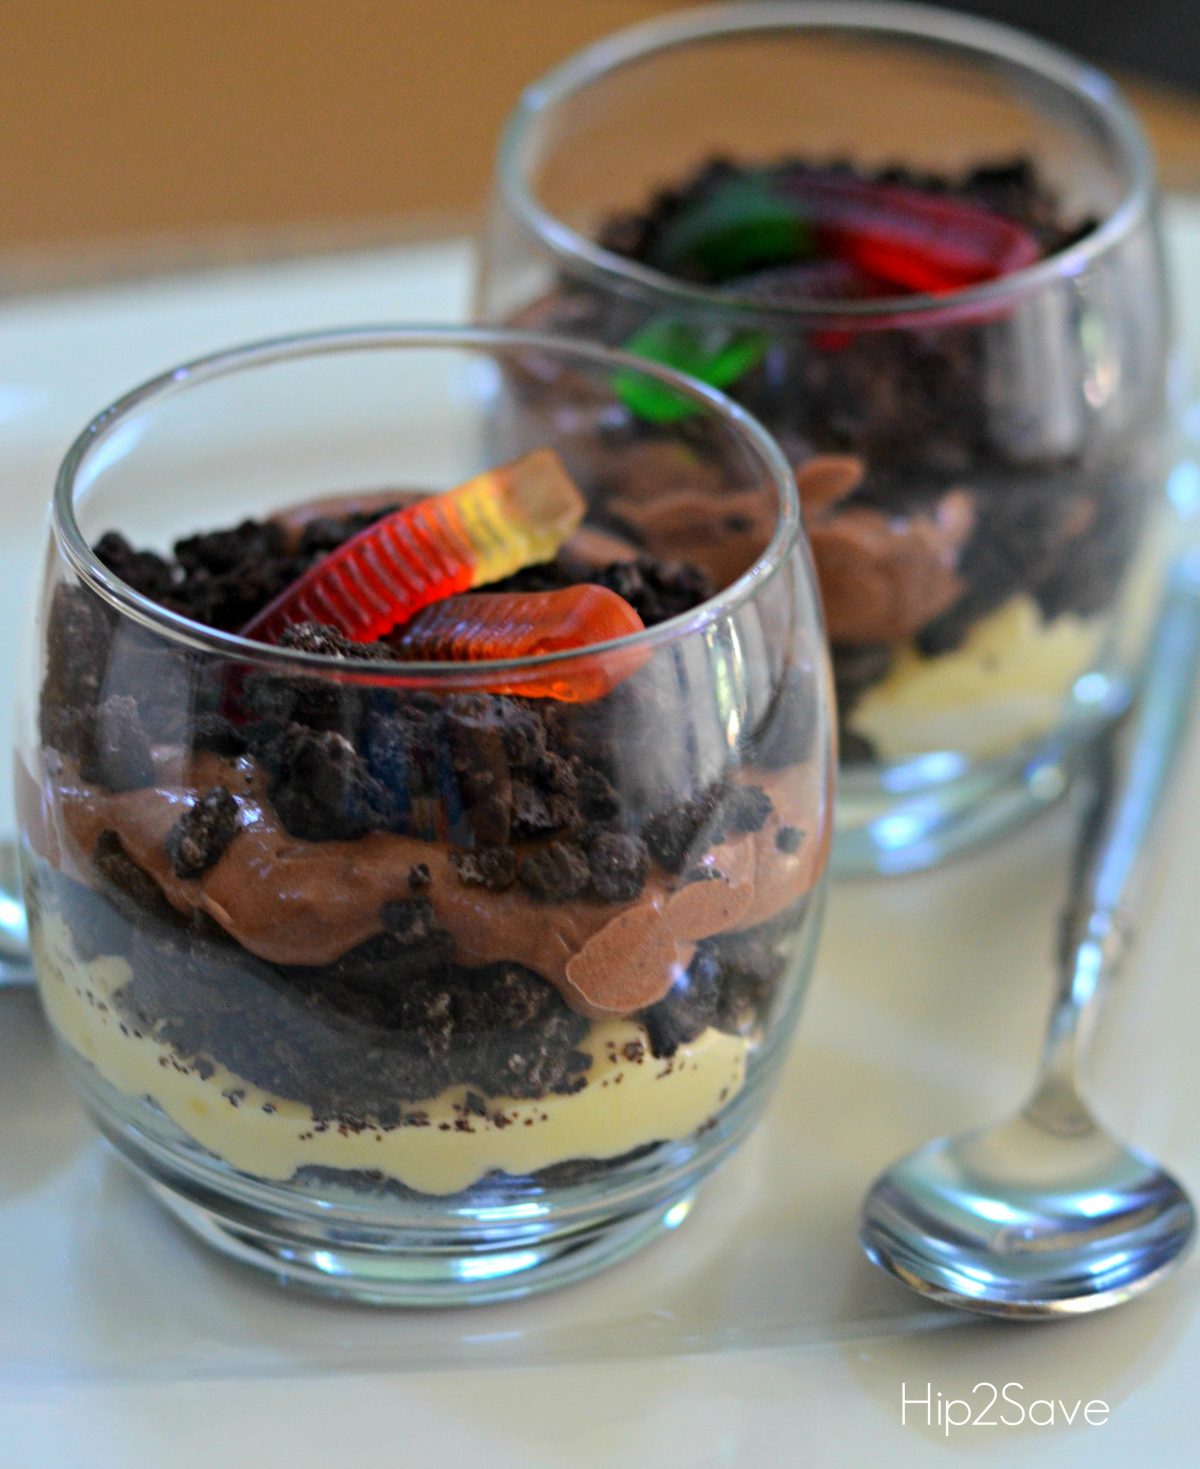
point(1110, 861)
point(16, 965)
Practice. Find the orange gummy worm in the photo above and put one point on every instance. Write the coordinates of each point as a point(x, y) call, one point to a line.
point(497, 523)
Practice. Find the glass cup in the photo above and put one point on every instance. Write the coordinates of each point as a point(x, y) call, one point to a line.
point(414, 983)
point(981, 470)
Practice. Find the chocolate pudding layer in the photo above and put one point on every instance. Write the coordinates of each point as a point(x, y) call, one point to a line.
point(346, 922)
point(978, 488)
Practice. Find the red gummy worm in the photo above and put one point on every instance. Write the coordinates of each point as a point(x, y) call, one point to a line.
point(494, 625)
point(914, 240)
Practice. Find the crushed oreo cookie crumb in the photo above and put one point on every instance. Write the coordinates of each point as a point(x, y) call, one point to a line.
point(200, 836)
point(656, 590)
point(144, 571)
point(494, 868)
point(323, 791)
point(555, 872)
point(685, 830)
point(598, 798)
point(789, 839)
point(212, 731)
point(745, 809)
point(319, 637)
point(619, 865)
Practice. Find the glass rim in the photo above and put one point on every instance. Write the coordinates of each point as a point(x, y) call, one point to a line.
point(786, 535)
point(981, 40)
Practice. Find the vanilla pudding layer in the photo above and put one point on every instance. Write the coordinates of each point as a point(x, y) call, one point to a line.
point(441, 1145)
point(1010, 680)
point(1005, 685)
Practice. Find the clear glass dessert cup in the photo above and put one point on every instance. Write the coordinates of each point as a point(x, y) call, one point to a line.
point(987, 528)
point(390, 984)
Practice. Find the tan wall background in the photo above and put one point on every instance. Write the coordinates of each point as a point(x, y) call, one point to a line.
point(133, 119)
point(138, 117)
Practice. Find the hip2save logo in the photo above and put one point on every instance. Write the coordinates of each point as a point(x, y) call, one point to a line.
point(990, 1406)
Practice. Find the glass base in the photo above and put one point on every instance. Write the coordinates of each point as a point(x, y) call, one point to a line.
point(919, 814)
point(445, 1274)
point(359, 1237)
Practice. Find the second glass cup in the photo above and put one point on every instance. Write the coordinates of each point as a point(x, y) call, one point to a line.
point(980, 460)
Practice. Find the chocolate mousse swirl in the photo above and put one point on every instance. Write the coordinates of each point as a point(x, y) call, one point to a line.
point(882, 577)
point(295, 902)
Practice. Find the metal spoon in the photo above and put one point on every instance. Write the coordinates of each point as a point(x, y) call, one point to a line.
point(1047, 1214)
point(16, 967)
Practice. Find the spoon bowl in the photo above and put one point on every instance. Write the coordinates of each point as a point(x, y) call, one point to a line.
point(1019, 1220)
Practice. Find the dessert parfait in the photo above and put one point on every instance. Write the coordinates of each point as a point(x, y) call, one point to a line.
point(963, 360)
point(478, 877)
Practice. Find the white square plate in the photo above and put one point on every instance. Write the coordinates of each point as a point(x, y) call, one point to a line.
point(758, 1334)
